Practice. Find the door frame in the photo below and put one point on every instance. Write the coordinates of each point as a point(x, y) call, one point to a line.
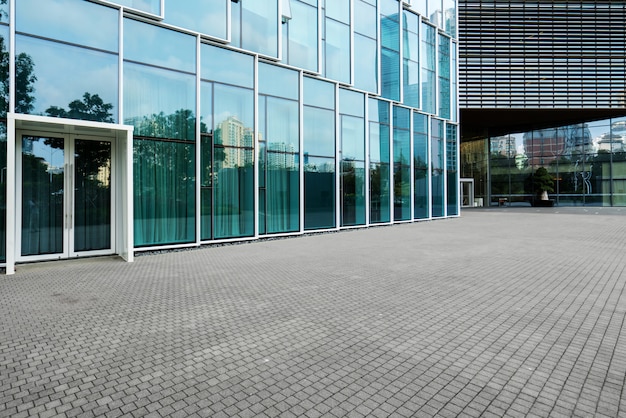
point(69, 196)
point(122, 162)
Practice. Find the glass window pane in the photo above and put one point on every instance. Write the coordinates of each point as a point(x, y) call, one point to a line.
point(378, 111)
point(154, 45)
point(233, 116)
point(149, 6)
point(421, 166)
point(451, 170)
point(282, 199)
point(379, 193)
point(301, 36)
point(365, 19)
point(233, 192)
point(379, 143)
point(352, 193)
point(428, 76)
point(198, 15)
point(79, 22)
point(336, 51)
point(159, 103)
point(3, 193)
point(351, 103)
point(278, 81)
point(260, 27)
point(65, 81)
point(338, 10)
point(282, 125)
point(319, 193)
point(319, 93)
point(319, 132)
point(352, 138)
point(438, 174)
point(164, 192)
point(365, 64)
point(217, 65)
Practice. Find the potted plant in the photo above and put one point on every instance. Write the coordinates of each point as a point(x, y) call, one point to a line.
point(543, 183)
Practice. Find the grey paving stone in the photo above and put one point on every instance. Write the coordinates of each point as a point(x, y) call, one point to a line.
point(500, 312)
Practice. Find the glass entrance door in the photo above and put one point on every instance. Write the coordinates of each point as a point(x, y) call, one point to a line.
point(66, 196)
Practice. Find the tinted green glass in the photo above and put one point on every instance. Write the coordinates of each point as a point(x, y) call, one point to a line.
point(282, 193)
point(365, 64)
point(402, 164)
point(234, 192)
point(351, 103)
point(444, 77)
point(46, 82)
point(43, 191)
point(3, 193)
point(319, 193)
point(438, 169)
point(260, 23)
point(420, 166)
point(234, 116)
point(164, 192)
point(338, 10)
point(428, 76)
point(379, 193)
point(352, 193)
point(278, 81)
point(390, 49)
point(282, 125)
point(452, 175)
point(92, 195)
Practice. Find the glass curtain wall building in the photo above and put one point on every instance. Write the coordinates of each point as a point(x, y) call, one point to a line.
point(543, 84)
point(135, 125)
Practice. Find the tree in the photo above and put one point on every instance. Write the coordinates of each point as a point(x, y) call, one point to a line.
point(543, 183)
point(91, 107)
point(24, 80)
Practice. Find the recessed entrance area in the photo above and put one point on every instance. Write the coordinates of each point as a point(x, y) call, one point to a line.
point(72, 194)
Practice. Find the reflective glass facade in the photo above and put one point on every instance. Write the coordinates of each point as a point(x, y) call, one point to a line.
point(250, 118)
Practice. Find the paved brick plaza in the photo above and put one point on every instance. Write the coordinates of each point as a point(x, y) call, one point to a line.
point(503, 312)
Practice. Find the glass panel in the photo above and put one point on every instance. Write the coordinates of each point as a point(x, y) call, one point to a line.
point(352, 138)
point(444, 77)
point(352, 193)
point(300, 36)
point(319, 93)
point(365, 19)
point(365, 64)
point(154, 45)
point(411, 70)
point(420, 166)
point(449, 17)
point(4, 11)
point(379, 143)
point(282, 202)
point(92, 195)
point(379, 193)
point(319, 192)
point(43, 183)
point(428, 79)
point(3, 192)
point(198, 15)
point(338, 10)
point(282, 125)
point(278, 81)
point(438, 173)
point(149, 6)
point(60, 80)
point(402, 164)
point(434, 11)
point(351, 103)
point(319, 132)
point(159, 103)
point(218, 63)
point(234, 117)
point(390, 49)
point(78, 22)
point(260, 26)
point(234, 192)
point(452, 172)
point(164, 192)
point(23, 89)
point(337, 51)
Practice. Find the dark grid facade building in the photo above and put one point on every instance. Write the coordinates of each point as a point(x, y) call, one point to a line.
point(531, 65)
